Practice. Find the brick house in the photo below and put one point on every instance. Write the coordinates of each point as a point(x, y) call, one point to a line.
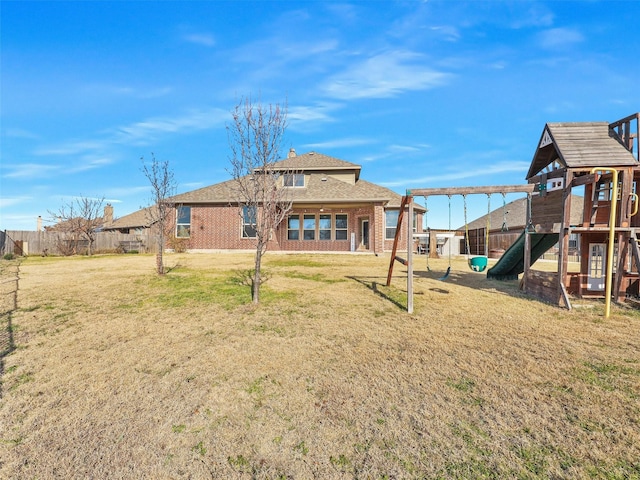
point(334, 210)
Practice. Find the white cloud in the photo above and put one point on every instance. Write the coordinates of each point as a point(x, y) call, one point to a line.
point(341, 143)
point(90, 164)
point(385, 75)
point(536, 15)
point(559, 38)
point(141, 92)
point(139, 133)
point(20, 133)
point(448, 32)
point(394, 152)
point(306, 117)
point(408, 148)
point(21, 221)
point(191, 185)
point(30, 170)
point(453, 177)
point(70, 148)
point(8, 202)
point(143, 132)
point(127, 191)
point(204, 39)
point(154, 92)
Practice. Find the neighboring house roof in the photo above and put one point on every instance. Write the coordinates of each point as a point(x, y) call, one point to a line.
point(516, 216)
point(73, 224)
point(580, 145)
point(133, 220)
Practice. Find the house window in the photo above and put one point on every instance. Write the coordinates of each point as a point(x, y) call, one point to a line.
point(249, 221)
point(391, 222)
point(341, 227)
point(324, 227)
point(293, 180)
point(183, 225)
point(293, 227)
point(309, 227)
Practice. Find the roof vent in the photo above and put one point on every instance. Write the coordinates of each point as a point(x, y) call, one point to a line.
point(292, 153)
point(312, 153)
point(324, 179)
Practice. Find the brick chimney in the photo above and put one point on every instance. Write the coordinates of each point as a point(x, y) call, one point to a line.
point(107, 219)
point(292, 153)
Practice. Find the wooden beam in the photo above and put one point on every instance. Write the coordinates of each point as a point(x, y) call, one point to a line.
point(559, 173)
point(563, 242)
point(405, 200)
point(410, 258)
point(583, 180)
point(400, 259)
point(427, 192)
point(564, 296)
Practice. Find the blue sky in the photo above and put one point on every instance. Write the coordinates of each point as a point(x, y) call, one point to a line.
point(422, 94)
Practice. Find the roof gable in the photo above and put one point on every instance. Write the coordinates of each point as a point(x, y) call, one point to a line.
point(579, 145)
point(316, 162)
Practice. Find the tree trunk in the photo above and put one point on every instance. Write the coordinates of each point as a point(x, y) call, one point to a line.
point(159, 257)
point(255, 285)
point(159, 264)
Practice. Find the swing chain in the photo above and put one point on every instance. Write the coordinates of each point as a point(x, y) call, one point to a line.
point(530, 227)
point(488, 228)
point(466, 225)
point(450, 239)
point(427, 249)
point(505, 228)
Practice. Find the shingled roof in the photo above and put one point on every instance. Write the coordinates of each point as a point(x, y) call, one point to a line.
point(516, 215)
point(133, 220)
point(320, 186)
point(580, 145)
point(314, 161)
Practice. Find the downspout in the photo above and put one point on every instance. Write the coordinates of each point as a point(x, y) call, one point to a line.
point(612, 233)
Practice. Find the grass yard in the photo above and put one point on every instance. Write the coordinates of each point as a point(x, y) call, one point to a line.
point(117, 373)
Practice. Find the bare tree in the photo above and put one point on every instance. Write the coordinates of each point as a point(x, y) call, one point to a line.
point(255, 137)
point(79, 219)
point(158, 215)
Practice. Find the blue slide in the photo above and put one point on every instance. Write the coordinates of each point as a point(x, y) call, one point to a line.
point(511, 264)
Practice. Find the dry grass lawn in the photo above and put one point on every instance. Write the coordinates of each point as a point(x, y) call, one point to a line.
point(117, 373)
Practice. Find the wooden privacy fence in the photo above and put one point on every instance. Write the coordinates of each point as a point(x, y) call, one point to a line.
point(498, 240)
point(23, 242)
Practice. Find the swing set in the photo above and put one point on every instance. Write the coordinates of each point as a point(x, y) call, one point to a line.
point(477, 263)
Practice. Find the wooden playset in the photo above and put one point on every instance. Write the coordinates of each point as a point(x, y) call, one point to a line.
point(602, 161)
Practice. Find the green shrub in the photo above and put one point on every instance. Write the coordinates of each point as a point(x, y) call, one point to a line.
point(9, 256)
